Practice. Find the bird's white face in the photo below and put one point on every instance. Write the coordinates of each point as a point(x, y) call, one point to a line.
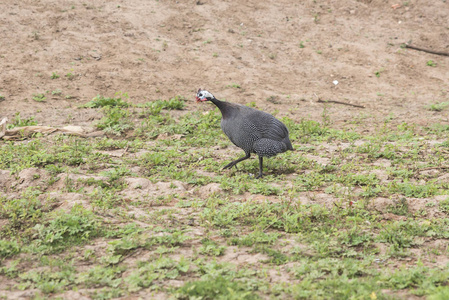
point(203, 95)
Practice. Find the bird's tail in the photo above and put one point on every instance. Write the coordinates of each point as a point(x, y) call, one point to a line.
point(289, 144)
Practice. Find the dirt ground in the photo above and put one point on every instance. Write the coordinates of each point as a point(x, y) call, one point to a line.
point(289, 52)
point(283, 55)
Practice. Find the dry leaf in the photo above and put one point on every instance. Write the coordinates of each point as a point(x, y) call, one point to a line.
point(19, 133)
point(3, 127)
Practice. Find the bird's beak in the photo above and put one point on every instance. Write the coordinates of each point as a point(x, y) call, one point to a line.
point(198, 99)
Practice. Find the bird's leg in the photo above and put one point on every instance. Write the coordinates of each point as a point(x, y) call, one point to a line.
point(260, 167)
point(228, 166)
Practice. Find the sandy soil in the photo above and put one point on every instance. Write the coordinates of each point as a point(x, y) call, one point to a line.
point(287, 51)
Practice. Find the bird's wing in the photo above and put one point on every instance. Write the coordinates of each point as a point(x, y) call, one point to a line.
point(267, 126)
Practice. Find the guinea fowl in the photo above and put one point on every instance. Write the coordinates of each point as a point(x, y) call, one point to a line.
point(252, 130)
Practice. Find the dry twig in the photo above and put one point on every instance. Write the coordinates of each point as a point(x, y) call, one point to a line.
point(124, 151)
point(339, 102)
point(425, 50)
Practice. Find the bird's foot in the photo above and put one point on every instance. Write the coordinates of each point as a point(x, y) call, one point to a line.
point(259, 176)
point(228, 166)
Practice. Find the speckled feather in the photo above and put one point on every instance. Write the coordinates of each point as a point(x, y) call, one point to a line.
point(253, 130)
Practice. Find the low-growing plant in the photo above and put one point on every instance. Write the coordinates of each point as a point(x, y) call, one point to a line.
point(109, 276)
point(400, 207)
point(409, 189)
point(148, 272)
point(439, 106)
point(444, 205)
point(211, 248)
point(21, 212)
point(116, 120)
point(431, 63)
point(70, 75)
point(155, 107)
point(8, 248)
point(66, 230)
point(216, 288)
point(255, 237)
point(19, 122)
point(377, 73)
point(101, 101)
point(39, 97)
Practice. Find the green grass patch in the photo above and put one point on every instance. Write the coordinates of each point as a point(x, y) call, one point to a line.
point(314, 226)
point(101, 101)
point(66, 230)
point(216, 288)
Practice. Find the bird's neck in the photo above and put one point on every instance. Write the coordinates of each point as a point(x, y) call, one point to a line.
point(217, 102)
point(222, 106)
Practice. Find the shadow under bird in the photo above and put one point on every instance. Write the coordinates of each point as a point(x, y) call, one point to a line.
point(252, 130)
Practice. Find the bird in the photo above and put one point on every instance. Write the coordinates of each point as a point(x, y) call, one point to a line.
point(252, 130)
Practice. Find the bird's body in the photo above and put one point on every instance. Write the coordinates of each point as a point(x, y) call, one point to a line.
point(252, 130)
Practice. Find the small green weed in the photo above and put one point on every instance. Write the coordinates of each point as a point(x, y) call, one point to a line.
point(401, 234)
point(162, 268)
point(21, 212)
point(109, 276)
point(354, 237)
point(275, 257)
point(155, 107)
point(71, 151)
point(8, 248)
point(70, 75)
point(400, 207)
point(439, 106)
point(105, 196)
point(377, 73)
point(211, 248)
point(218, 288)
point(444, 206)
point(409, 189)
point(19, 122)
point(174, 239)
point(311, 128)
point(125, 245)
point(46, 281)
point(101, 101)
point(256, 237)
point(39, 97)
point(431, 63)
point(66, 230)
point(116, 120)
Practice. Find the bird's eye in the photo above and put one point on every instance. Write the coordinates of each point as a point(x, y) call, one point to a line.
point(201, 95)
